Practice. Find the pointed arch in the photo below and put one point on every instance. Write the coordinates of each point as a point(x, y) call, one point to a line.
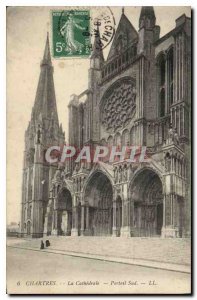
point(146, 194)
point(98, 194)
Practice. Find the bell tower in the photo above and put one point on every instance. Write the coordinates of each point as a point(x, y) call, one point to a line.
point(42, 132)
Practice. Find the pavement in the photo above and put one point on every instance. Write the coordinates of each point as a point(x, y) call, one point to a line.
point(166, 254)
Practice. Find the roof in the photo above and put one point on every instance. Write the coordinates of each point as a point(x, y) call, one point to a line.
point(125, 35)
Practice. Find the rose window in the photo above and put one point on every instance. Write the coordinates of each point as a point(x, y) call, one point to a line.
point(119, 104)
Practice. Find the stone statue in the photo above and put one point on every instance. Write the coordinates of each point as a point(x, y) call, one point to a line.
point(125, 173)
point(115, 175)
point(176, 136)
point(57, 174)
point(82, 167)
point(173, 136)
point(38, 134)
point(168, 162)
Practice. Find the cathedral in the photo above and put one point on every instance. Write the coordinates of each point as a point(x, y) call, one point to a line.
point(139, 95)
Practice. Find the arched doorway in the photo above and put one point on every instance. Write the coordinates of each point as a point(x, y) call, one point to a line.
point(99, 195)
point(146, 204)
point(64, 212)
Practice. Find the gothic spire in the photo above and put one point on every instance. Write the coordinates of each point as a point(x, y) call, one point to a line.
point(147, 12)
point(47, 55)
point(97, 51)
point(45, 101)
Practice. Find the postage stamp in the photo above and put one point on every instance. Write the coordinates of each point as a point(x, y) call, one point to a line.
point(71, 33)
point(74, 31)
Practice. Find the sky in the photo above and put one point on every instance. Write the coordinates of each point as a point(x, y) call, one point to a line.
point(27, 29)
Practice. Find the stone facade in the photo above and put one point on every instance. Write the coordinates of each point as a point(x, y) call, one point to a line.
point(140, 95)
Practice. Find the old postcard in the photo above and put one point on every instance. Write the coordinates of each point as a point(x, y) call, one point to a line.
point(99, 126)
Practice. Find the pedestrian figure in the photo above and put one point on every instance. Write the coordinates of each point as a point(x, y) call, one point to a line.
point(47, 243)
point(42, 245)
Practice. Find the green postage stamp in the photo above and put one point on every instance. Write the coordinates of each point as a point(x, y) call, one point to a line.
point(71, 33)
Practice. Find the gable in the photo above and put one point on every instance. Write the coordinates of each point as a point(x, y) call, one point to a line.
point(124, 37)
